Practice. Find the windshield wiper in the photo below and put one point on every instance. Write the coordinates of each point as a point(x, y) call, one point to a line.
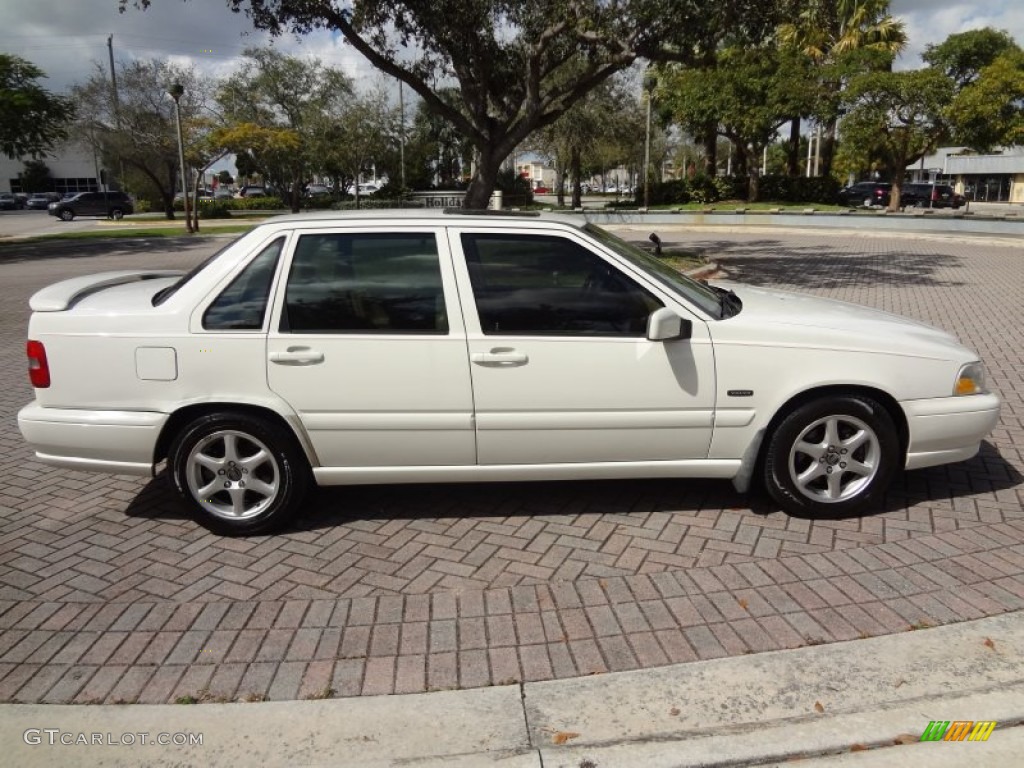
point(729, 303)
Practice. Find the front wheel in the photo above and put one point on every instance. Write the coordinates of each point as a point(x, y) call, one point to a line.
point(117, 214)
point(67, 215)
point(239, 474)
point(831, 457)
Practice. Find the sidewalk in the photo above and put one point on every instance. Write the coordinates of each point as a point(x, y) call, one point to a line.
point(858, 703)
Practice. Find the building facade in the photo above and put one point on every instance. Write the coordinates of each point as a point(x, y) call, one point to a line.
point(995, 178)
point(73, 168)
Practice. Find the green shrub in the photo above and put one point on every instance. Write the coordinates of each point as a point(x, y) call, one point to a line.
point(373, 203)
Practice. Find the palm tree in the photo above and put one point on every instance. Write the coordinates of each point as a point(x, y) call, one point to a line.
point(826, 31)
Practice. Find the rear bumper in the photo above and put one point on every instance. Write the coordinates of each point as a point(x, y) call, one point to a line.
point(122, 442)
point(948, 429)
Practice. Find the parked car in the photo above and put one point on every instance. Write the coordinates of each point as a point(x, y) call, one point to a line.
point(40, 201)
point(318, 190)
point(922, 195)
point(113, 205)
point(253, 190)
point(866, 193)
point(8, 202)
point(365, 189)
point(398, 347)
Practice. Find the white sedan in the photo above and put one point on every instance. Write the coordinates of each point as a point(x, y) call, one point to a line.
point(398, 347)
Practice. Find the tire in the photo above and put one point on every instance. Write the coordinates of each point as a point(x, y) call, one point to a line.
point(117, 214)
point(213, 458)
point(869, 202)
point(67, 215)
point(808, 471)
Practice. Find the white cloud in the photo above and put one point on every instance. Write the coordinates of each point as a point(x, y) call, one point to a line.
point(932, 21)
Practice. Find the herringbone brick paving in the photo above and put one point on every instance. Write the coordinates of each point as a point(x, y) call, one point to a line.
point(108, 592)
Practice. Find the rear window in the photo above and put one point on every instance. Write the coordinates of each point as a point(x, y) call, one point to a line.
point(170, 290)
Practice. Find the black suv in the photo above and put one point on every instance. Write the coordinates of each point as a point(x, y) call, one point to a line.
point(917, 195)
point(113, 205)
point(866, 193)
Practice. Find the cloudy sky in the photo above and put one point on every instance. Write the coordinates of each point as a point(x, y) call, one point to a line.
point(64, 38)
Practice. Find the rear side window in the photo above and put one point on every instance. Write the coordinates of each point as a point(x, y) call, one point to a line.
point(243, 304)
point(365, 283)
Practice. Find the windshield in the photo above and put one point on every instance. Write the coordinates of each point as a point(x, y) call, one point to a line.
point(701, 295)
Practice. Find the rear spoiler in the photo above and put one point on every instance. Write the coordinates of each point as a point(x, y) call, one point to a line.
point(60, 296)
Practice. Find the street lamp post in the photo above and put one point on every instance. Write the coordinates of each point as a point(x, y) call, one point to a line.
point(176, 92)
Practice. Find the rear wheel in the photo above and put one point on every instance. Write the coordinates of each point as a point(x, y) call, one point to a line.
point(67, 215)
point(832, 456)
point(239, 474)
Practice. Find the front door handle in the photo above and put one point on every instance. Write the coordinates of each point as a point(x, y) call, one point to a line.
point(297, 356)
point(501, 357)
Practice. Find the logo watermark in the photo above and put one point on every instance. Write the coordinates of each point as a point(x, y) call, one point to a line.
point(53, 736)
point(958, 730)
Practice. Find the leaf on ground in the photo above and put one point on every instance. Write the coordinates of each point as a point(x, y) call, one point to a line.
point(560, 737)
point(907, 738)
point(602, 583)
point(743, 603)
point(989, 643)
point(818, 706)
point(674, 711)
point(858, 748)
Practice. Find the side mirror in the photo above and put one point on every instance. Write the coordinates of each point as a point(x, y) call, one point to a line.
point(666, 325)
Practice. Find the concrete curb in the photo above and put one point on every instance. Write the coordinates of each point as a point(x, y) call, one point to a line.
point(757, 709)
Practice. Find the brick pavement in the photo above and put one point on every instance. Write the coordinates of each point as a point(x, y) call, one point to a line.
point(109, 593)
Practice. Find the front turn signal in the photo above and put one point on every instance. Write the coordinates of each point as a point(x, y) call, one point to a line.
point(970, 380)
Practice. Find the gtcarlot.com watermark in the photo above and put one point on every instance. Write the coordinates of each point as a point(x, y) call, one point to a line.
point(54, 736)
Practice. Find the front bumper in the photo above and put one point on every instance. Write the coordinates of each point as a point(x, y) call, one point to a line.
point(122, 442)
point(948, 429)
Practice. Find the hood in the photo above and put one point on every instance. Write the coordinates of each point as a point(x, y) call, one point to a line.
point(791, 318)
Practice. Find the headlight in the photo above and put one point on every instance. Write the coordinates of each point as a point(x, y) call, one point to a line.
point(970, 380)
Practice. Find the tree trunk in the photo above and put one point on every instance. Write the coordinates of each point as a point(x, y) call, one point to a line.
point(168, 196)
point(741, 165)
point(575, 171)
point(710, 139)
point(828, 149)
point(793, 149)
point(195, 203)
point(560, 174)
point(754, 175)
point(478, 196)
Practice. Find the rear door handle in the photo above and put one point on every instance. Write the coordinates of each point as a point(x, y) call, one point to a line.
point(297, 356)
point(500, 358)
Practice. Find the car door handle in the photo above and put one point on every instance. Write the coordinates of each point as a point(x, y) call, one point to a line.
point(500, 357)
point(297, 356)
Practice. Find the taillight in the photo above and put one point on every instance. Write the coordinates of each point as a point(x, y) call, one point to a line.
point(38, 368)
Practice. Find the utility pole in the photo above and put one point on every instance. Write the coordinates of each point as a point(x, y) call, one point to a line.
point(401, 129)
point(647, 155)
point(113, 81)
point(117, 103)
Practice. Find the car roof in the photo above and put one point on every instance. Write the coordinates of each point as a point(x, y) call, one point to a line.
point(433, 216)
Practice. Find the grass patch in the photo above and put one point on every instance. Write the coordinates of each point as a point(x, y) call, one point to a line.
point(682, 260)
point(135, 233)
point(732, 205)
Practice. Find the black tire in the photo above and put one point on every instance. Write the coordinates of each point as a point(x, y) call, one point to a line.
point(851, 471)
point(268, 457)
point(67, 215)
point(117, 214)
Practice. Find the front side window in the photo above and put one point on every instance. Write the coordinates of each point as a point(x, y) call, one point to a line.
point(549, 285)
point(242, 305)
point(365, 283)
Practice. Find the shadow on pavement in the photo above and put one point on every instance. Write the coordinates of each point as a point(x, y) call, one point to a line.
point(14, 251)
point(773, 263)
point(328, 507)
